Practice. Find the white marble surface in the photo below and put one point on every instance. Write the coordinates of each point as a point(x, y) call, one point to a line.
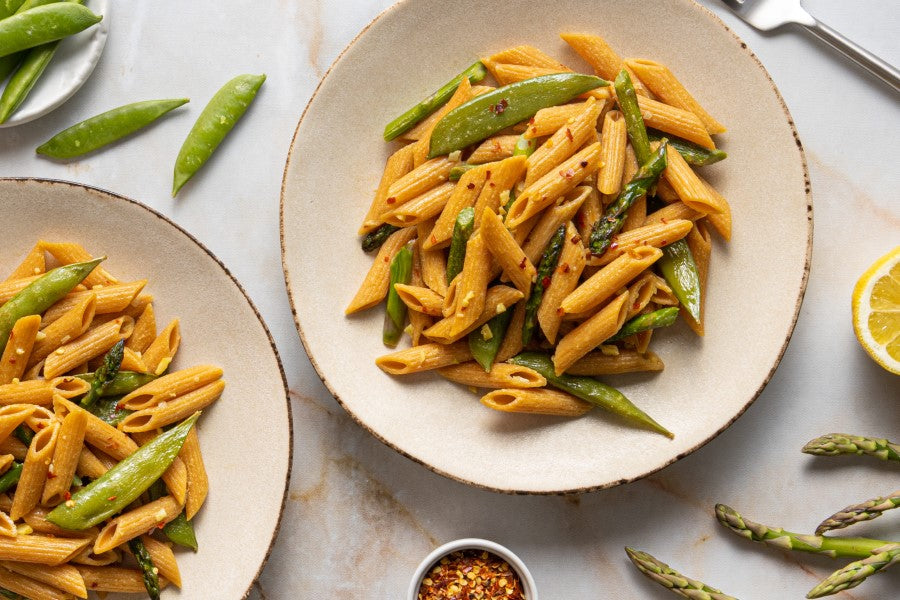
point(359, 517)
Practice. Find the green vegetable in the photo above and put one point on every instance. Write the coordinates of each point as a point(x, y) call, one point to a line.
point(395, 310)
point(485, 351)
point(122, 384)
point(834, 547)
point(544, 274)
point(462, 230)
point(25, 76)
point(44, 24)
point(124, 483)
point(612, 218)
point(11, 477)
point(680, 272)
point(689, 151)
point(9, 8)
point(856, 572)
point(106, 128)
point(408, 120)
point(525, 146)
point(658, 318)
point(459, 170)
point(842, 443)
point(23, 434)
point(42, 293)
point(589, 389)
point(484, 115)
point(634, 121)
point(857, 513)
point(179, 530)
point(669, 578)
point(104, 374)
point(8, 63)
point(108, 410)
point(374, 239)
point(148, 571)
point(219, 116)
point(11, 595)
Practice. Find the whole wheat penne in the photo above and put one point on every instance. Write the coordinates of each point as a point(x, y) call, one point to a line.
point(612, 153)
point(657, 235)
point(12, 415)
point(588, 213)
point(512, 341)
point(422, 208)
point(166, 413)
point(467, 299)
point(421, 179)
point(144, 330)
point(111, 299)
point(607, 281)
point(640, 293)
point(398, 164)
point(420, 299)
point(34, 471)
point(374, 287)
point(26, 587)
point(6, 461)
point(590, 334)
point(65, 458)
point(626, 361)
point(497, 300)
point(87, 558)
point(33, 264)
point(563, 282)
point(721, 222)
point(98, 433)
point(433, 262)
point(132, 361)
point(563, 143)
point(160, 352)
point(506, 252)
point(548, 120)
point(14, 447)
point(135, 522)
point(41, 391)
point(89, 465)
point(115, 579)
point(71, 325)
point(464, 195)
point(688, 185)
point(37, 520)
point(170, 386)
point(499, 178)
point(551, 219)
point(40, 417)
point(18, 348)
point(501, 375)
point(62, 577)
point(163, 558)
point(540, 401)
point(70, 252)
point(95, 342)
point(675, 121)
point(418, 322)
point(198, 482)
point(7, 527)
point(11, 287)
point(670, 212)
point(492, 149)
point(424, 358)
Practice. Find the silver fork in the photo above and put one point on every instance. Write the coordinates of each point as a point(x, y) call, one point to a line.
point(766, 15)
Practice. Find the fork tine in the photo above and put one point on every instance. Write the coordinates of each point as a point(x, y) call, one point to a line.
point(737, 6)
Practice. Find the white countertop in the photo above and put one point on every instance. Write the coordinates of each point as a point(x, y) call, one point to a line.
point(360, 517)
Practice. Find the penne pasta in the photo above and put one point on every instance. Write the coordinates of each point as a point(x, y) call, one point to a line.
point(433, 262)
point(26, 587)
point(34, 471)
point(565, 279)
point(110, 299)
point(657, 235)
point(607, 281)
point(450, 329)
point(692, 191)
point(198, 482)
point(420, 299)
point(95, 342)
point(590, 334)
point(542, 401)
point(626, 361)
point(493, 149)
point(172, 411)
point(466, 193)
point(65, 458)
point(133, 523)
point(563, 143)
point(61, 577)
point(33, 264)
point(374, 287)
point(114, 579)
point(700, 244)
point(41, 549)
point(501, 375)
point(160, 352)
point(551, 220)
point(18, 348)
point(399, 164)
point(421, 208)
point(144, 330)
point(71, 325)
point(424, 358)
point(674, 121)
point(170, 386)
point(70, 252)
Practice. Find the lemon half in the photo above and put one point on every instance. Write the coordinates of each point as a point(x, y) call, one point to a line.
point(876, 311)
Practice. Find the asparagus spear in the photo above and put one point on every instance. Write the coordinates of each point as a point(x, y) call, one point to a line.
point(109, 411)
point(856, 572)
point(395, 310)
point(833, 444)
point(375, 238)
point(692, 154)
point(484, 349)
point(680, 272)
point(462, 229)
point(24, 434)
point(671, 579)
point(544, 274)
point(857, 513)
point(779, 538)
point(149, 572)
point(658, 318)
point(408, 120)
point(105, 374)
point(11, 595)
point(459, 170)
point(634, 121)
point(11, 477)
point(612, 218)
point(123, 383)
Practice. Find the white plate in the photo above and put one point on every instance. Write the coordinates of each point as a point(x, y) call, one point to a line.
point(71, 66)
point(756, 282)
point(246, 434)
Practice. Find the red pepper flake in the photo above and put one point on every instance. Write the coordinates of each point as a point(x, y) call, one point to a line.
point(636, 305)
point(576, 238)
point(41, 425)
point(583, 164)
point(567, 174)
point(569, 135)
point(560, 312)
point(492, 184)
point(111, 498)
point(51, 475)
point(664, 242)
point(524, 262)
point(471, 575)
point(471, 186)
point(391, 200)
point(664, 221)
point(487, 175)
point(565, 268)
point(67, 496)
point(433, 240)
point(614, 245)
point(387, 259)
point(545, 281)
point(12, 361)
point(500, 107)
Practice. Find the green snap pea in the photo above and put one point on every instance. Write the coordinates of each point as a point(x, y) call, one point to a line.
point(652, 320)
point(462, 230)
point(395, 310)
point(123, 383)
point(24, 434)
point(408, 120)
point(44, 24)
point(680, 272)
point(484, 115)
point(42, 293)
point(179, 530)
point(484, 351)
point(9, 7)
point(634, 121)
point(106, 128)
point(11, 477)
point(219, 117)
point(124, 483)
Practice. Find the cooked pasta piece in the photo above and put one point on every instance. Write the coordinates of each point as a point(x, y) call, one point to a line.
point(497, 300)
point(144, 330)
point(692, 191)
point(11, 416)
point(41, 549)
point(670, 212)
point(160, 352)
point(424, 358)
point(163, 559)
point(198, 482)
point(65, 458)
point(721, 222)
point(71, 325)
point(563, 282)
point(548, 120)
point(61, 577)
point(33, 264)
point(590, 334)
point(541, 401)
point(70, 252)
point(34, 471)
point(170, 386)
point(422, 208)
point(110, 299)
point(420, 299)
point(133, 523)
point(421, 179)
point(95, 342)
point(493, 149)
point(399, 164)
point(465, 195)
point(501, 375)
point(30, 588)
point(657, 235)
point(374, 287)
point(18, 348)
point(551, 219)
point(563, 143)
point(700, 244)
point(115, 579)
point(506, 252)
point(610, 279)
point(675, 121)
point(500, 177)
point(173, 411)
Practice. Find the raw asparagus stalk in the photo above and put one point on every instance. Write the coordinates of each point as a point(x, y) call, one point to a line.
point(857, 513)
point(786, 540)
point(671, 579)
point(462, 230)
point(652, 320)
point(692, 154)
point(634, 121)
point(856, 572)
point(833, 444)
point(395, 310)
point(679, 269)
point(544, 275)
point(105, 374)
point(148, 571)
point(375, 238)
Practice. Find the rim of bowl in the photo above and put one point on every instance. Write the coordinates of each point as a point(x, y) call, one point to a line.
point(528, 585)
point(287, 397)
point(703, 11)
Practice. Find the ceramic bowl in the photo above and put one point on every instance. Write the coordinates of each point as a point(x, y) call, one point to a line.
point(756, 282)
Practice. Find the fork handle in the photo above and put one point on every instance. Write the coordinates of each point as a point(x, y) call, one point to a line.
point(878, 67)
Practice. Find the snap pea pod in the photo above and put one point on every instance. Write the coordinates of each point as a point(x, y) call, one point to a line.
point(460, 170)
point(395, 310)
point(148, 571)
point(42, 293)
point(108, 410)
point(652, 320)
point(11, 477)
point(44, 24)
point(462, 230)
point(484, 115)
point(123, 383)
point(105, 374)
point(8, 63)
point(408, 120)
point(612, 218)
point(634, 121)
point(106, 128)
point(219, 117)
point(23, 434)
point(590, 390)
point(484, 350)
point(374, 239)
point(9, 7)
point(690, 152)
point(680, 272)
point(121, 485)
point(544, 273)
point(179, 530)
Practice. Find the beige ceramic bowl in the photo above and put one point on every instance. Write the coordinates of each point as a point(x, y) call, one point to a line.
point(756, 282)
point(245, 436)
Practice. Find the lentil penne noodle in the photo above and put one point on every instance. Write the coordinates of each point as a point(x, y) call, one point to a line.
point(92, 344)
point(114, 579)
point(65, 458)
point(540, 401)
point(692, 191)
point(565, 278)
point(563, 143)
point(399, 164)
point(163, 559)
point(590, 334)
point(548, 120)
point(422, 208)
point(34, 472)
point(174, 410)
point(656, 235)
point(69, 252)
point(499, 178)
point(18, 348)
point(170, 386)
point(464, 195)
point(61, 577)
point(670, 212)
point(433, 262)
point(176, 476)
point(471, 288)
point(144, 330)
point(497, 300)
point(30, 588)
point(132, 361)
point(675, 121)
point(721, 222)
point(421, 179)
point(607, 281)
point(110, 299)
point(87, 558)
point(374, 287)
point(421, 299)
point(72, 324)
point(135, 522)
point(418, 322)
point(501, 375)
point(160, 352)
point(11, 416)
point(551, 219)
point(37, 520)
point(7, 527)
point(493, 149)
point(506, 252)
point(32, 265)
point(424, 358)
point(612, 153)
point(198, 482)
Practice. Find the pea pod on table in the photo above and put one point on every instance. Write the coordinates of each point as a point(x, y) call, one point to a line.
point(9, 63)
point(105, 128)
point(219, 117)
point(43, 25)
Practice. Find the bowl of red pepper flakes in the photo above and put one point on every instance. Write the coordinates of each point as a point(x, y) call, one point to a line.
point(472, 569)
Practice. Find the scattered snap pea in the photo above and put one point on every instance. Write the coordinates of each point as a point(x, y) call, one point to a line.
point(634, 120)
point(106, 128)
point(124, 382)
point(408, 120)
point(484, 115)
point(11, 477)
point(652, 320)
point(218, 118)
point(680, 272)
point(44, 24)
point(179, 530)
point(374, 239)
point(484, 351)
point(395, 310)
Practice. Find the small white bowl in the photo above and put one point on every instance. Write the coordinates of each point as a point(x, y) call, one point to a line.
point(474, 544)
point(71, 66)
